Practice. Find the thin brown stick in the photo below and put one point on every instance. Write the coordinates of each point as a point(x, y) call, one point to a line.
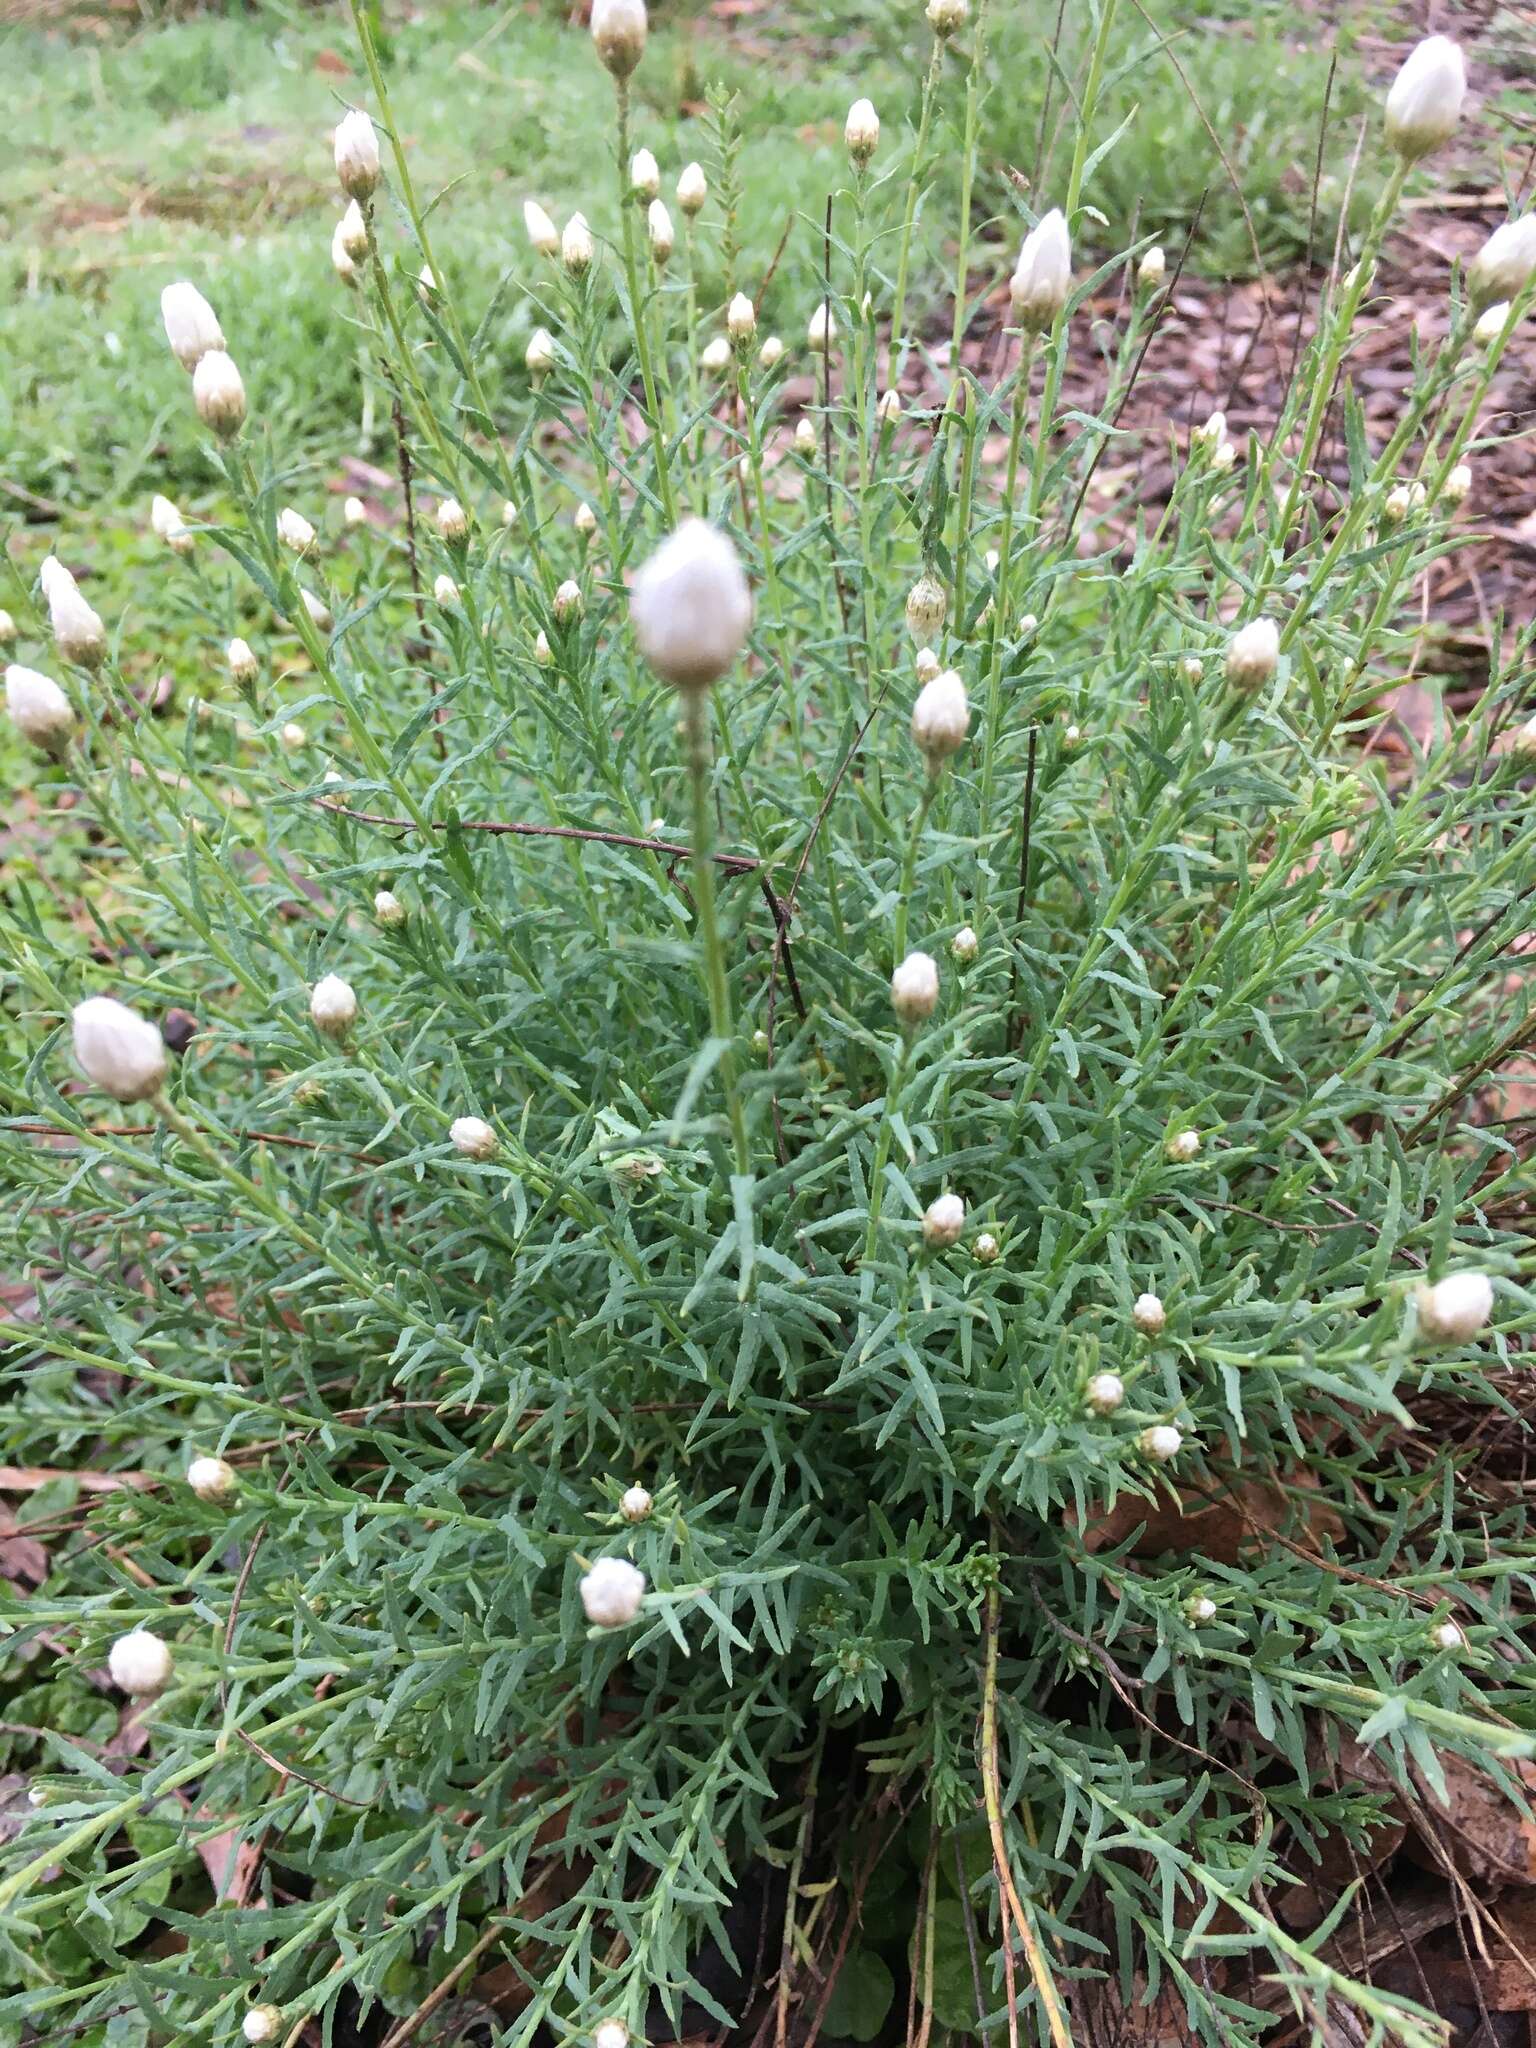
point(402, 2033)
point(733, 863)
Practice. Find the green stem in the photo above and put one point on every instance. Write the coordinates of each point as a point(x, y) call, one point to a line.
point(637, 312)
point(696, 725)
point(914, 189)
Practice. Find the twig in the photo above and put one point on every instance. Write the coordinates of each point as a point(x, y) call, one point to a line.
point(1014, 1031)
point(733, 863)
point(403, 454)
point(434, 1998)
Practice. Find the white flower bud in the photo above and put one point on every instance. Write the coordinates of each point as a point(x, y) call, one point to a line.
point(1149, 1315)
point(1199, 1608)
point(644, 175)
point(941, 718)
point(611, 1592)
point(690, 606)
point(539, 356)
point(610, 2034)
point(333, 1005)
point(426, 282)
point(38, 708)
point(1161, 1442)
point(542, 232)
point(118, 1050)
point(986, 1250)
point(1192, 668)
point(352, 232)
point(861, 131)
point(77, 630)
point(261, 2023)
point(943, 1222)
point(293, 735)
point(1449, 1637)
point(472, 1136)
point(821, 334)
point(927, 664)
point(1253, 654)
point(915, 988)
point(1223, 456)
point(658, 227)
point(741, 320)
point(191, 325)
point(1043, 275)
point(342, 260)
point(927, 608)
point(692, 190)
point(965, 945)
point(1028, 624)
point(1458, 484)
point(715, 356)
point(243, 667)
point(1183, 1147)
point(167, 524)
point(1152, 268)
point(577, 247)
point(1491, 324)
point(354, 512)
point(295, 531)
point(1501, 269)
point(771, 354)
point(1104, 1393)
point(888, 411)
point(805, 435)
point(319, 611)
point(1455, 1308)
point(543, 654)
point(388, 908)
point(635, 1504)
point(452, 521)
point(1072, 736)
point(7, 629)
point(444, 590)
point(584, 519)
point(618, 31)
point(568, 602)
point(211, 1479)
point(357, 154)
point(508, 512)
point(1424, 104)
point(946, 17)
point(139, 1662)
point(218, 394)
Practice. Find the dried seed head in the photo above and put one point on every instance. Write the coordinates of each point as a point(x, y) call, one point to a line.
point(943, 1222)
point(915, 988)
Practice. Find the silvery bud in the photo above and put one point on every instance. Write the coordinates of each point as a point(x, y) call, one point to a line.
point(1458, 484)
point(293, 735)
point(38, 708)
point(576, 245)
point(318, 610)
point(943, 1222)
point(1072, 736)
point(915, 988)
point(1199, 1608)
point(539, 356)
point(771, 354)
point(1028, 625)
point(821, 334)
point(508, 512)
point(1424, 104)
point(295, 531)
point(941, 718)
point(333, 1005)
point(986, 1250)
point(1043, 274)
point(888, 411)
point(1162, 1442)
point(354, 512)
point(1448, 1636)
point(1223, 456)
point(1152, 268)
point(610, 2034)
point(242, 662)
point(1491, 324)
point(7, 629)
point(1192, 668)
point(191, 325)
point(543, 653)
point(1501, 269)
point(965, 945)
point(1183, 1147)
point(927, 664)
point(1104, 1393)
point(658, 227)
point(635, 1504)
point(584, 519)
point(690, 606)
point(927, 608)
point(618, 31)
point(568, 602)
point(1455, 1308)
point(542, 232)
point(77, 630)
point(473, 1137)
point(741, 320)
point(261, 2024)
point(805, 435)
point(218, 394)
point(946, 17)
point(212, 1479)
point(1211, 434)
point(1148, 1315)
point(715, 356)
point(692, 190)
point(861, 132)
point(445, 590)
point(1253, 653)
point(139, 1662)
point(644, 175)
point(357, 154)
point(452, 521)
point(342, 261)
point(167, 524)
point(352, 232)
point(388, 908)
point(426, 282)
point(611, 1592)
point(1400, 501)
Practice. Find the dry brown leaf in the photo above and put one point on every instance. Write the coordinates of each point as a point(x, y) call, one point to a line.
point(1480, 1830)
point(1220, 1529)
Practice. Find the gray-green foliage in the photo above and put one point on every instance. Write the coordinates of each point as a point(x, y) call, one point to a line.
point(879, 1495)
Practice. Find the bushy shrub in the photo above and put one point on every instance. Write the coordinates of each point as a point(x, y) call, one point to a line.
point(759, 1308)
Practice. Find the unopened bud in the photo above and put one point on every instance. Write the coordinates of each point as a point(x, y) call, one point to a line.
point(78, 632)
point(219, 394)
point(1152, 268)
point(771, 354)
point(985, 1249)
point(1148, 1315)
point(261, 2024)
point(352, 232)
point(1183, 1147)
point(861, 131)
point(927, 608)
point(915, 988)
point(1104, 1393)
point(191, 325)
point(618, 33)
point(445, 590)
point(943, 1222)
point(947, 17)
point(139, 1662)
point(539, 356)
point(319, 611)
point(118, 1049)
point(635, 1504)
point(584, 519)
point(543, 653)
point(1502, 268)
point(295, 531)
point(7, 629)
point(1455, 1308)
point(658, 226)
point(644, 175)
point(805, 435)
point(691, 607)
point(1458, 484)
point(1043, 274)
point(1253, 654)
point(692, 190)
point(167, 525)
point(1199, 1608)
point(576, 245)
point(541, 230)
point(1192, 669)
point(242, 663)
point(741, 320)
point(342, 261)
point(568, 602)
point(821, 334)
point(1162, 1442)
point(333, 1005)
point(888, 411)
point(357, 154)
point(212, 1479)
point(1424, 104)
point(941, 718)
point(472, 1137)
point(38, 708)
point(388, 908)
point(611, 1592)
point(452, 521)
point(715, 356)
point(1448, 1637)
point(927, 664)
point(354, 512)
point(965, 945)
point(1491, 324)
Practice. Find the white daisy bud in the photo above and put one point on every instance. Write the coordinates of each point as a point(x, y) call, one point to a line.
point(610, 2034)
point(888, 411)
point(821, 334)
point(166, 524)
point(1161, 1442)
point(986, 1250)
point(1449, 1637)
point(1104, 1393)
point(452, 522)
point(692, 190)
point(1152, 268)
point(741, 320)
point(1501, 269)
point(635, 1504)
point(715, 356)
point(1072, 736)
point(771, 354)
point(139, 1662)
point(542, 232)
point(611, 1592)
point(1192, 669)
point(568, 602)
point(644, 175)
point(352, 232)
point(577, 247)
point(1223, 456)
point(118, 1049)
point(1455, 1308)
point(1458, 484)
point(426, 282)
point(543, 654)
point(342, 260)
point(690, 606)
point(943, 1222)
point(539, 356)
point(1424, 104)
point(472, 1136)
point(445, 590)
point(7, 629)
point(38, 708)
point(218, 394)
point(1199, 1608)
point(243, 667)
point(333, 1005)
point(508, 512)
point(295, 531)
point(941, 718)
point(293, 735)
point(1183, 1146)
point(915, 988)
point(1028, 625)
point(1149, 1315)
point(965, 945)
point(584, 519)
point(261, 2023)
point(927, 664)
point(319, 611)
point(77, 630)
point(212, 1479)
point(357, 154)
point(1491, 324)
point(927, 608)
point(658, 227)
point(861, 131)
point(388, 908)
point(805, 435)
point(618, 31)
point(947, 17)
point(1253, 653)
point(1043, 275)
point(354, 512)
point(191, 325)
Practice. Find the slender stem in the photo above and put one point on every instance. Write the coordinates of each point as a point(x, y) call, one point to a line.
point(696, 722)
point(967, 180)
point(914, 188)
point(1002, 615)
point(637, 311)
